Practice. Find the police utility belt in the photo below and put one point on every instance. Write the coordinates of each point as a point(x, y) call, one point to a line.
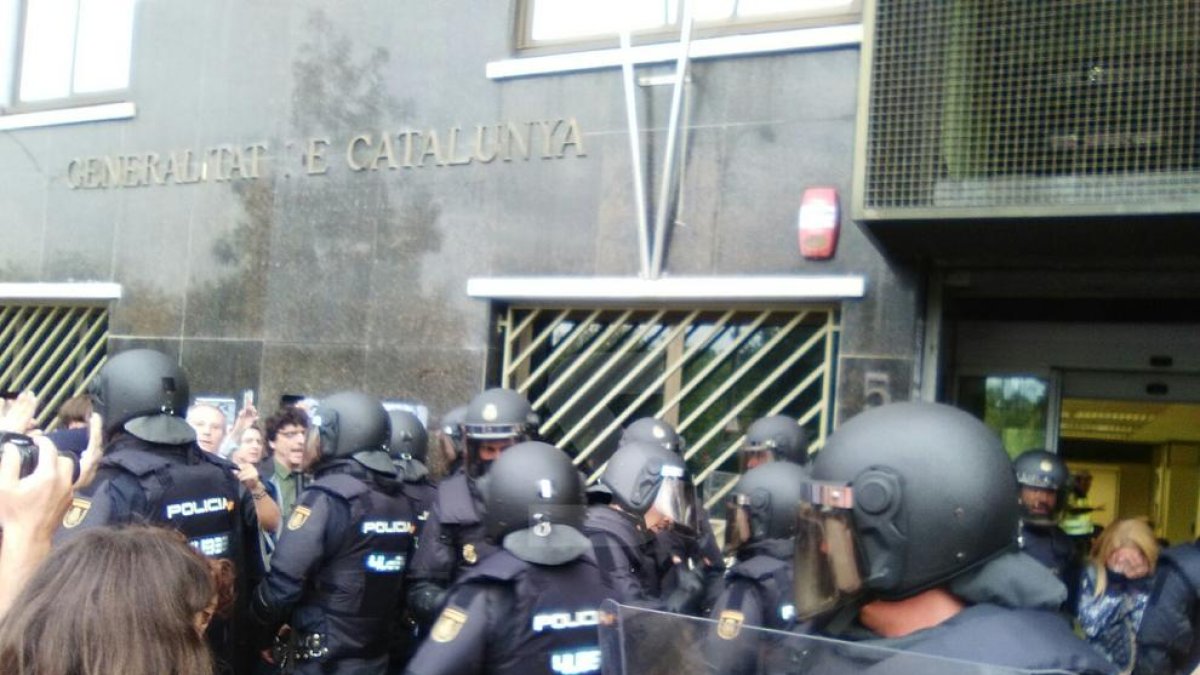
point(299, 647)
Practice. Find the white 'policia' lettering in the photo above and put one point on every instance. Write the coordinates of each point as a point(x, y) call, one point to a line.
point(563, 620)
point(386, 527)
point(575, 663)
point(188, 509)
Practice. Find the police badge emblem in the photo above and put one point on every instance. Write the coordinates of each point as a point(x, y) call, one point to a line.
point(490, 413)
point(77, 512)
point(299, 517)
point(658, 432)
point(469, 554)
point(448, 624)
point(729, 624)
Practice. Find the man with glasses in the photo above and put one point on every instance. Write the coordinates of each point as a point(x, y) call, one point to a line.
point(286, 433)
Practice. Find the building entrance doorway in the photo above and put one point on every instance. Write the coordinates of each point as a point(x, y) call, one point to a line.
point(1119, 402)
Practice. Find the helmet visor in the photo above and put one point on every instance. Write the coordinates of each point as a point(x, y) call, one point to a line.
point(676, 500)
point(828, 573)
point(485, 431)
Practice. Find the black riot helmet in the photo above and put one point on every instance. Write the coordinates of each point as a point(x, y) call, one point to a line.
point(144, 392)
point(535, 504)
point(903, 498)
point(449, 436)
point(408, 445)
point(351, 425)
point(495, 419)
point(651, 430)
point(642, 475)
point(763, 504)
point(777, 437)
point(1041, 470)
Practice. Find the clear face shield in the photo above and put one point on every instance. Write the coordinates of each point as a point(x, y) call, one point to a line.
point(828, 574)
point(676, 501)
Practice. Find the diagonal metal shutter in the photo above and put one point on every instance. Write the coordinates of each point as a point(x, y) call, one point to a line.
point(709, 372)
point(1030, 108)
point(53, 351)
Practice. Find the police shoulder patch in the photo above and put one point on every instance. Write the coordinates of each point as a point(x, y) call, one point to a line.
point(448, 624)
point(729, 624)
point(299, 516)
point(77, 512)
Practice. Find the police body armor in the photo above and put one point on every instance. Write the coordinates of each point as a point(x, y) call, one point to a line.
point(539, 618)
point(605, 527)
point(770, 579)
point(347, 605)
point(422, 494)
point(460, 529)
point(181, 487)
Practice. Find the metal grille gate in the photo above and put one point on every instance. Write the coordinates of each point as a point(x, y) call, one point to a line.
point(53, 351)
point(709, 372)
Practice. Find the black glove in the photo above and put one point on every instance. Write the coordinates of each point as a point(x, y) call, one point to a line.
point(688, 593)
point(425, 598)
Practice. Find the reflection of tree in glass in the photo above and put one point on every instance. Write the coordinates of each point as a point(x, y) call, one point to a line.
point(1015, 407)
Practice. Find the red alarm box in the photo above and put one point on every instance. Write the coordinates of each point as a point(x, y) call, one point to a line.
point(818, 223)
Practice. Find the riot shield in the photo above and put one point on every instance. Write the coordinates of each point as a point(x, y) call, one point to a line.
point(637, 641)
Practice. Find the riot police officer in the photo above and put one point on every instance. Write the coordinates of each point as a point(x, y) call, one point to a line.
point(774, 438)
point(906, 500)
point(1042, 481)
point(337, 571)
point(453, 536)
point(449, 440)
point(651, 430)
point(759, 533)
point(408, 447)
point(152, 471)
point(532, 607)
point(650, 494)
point(675, 549)
point(408, 450)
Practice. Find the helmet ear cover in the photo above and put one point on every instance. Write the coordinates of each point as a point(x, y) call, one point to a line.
point(647, 485)
point(878, 499)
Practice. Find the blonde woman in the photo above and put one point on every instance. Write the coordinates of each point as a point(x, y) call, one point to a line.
point(1116, 587)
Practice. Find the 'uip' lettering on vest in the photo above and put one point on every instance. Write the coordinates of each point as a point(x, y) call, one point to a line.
point(575, 663)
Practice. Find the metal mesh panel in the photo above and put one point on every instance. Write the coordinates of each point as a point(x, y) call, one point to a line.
point(53, 351)
point(1032, 106)
point(710, 373)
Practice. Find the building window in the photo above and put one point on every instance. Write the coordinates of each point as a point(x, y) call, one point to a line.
point(70, 52)
point(710, 372)
point(51, 350)
point(546, 22)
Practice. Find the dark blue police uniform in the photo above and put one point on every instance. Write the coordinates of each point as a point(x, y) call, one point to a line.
point(337, 571)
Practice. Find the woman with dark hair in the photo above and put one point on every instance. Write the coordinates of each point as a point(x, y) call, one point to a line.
point(134, 600)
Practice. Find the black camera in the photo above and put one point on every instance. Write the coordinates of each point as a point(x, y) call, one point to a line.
point(29, 453)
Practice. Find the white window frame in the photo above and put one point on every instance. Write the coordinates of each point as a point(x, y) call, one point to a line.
point(73, 108)
point(669, 29)
point(714, 40)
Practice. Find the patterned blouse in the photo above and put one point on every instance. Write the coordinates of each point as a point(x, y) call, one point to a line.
point(1110, 622)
